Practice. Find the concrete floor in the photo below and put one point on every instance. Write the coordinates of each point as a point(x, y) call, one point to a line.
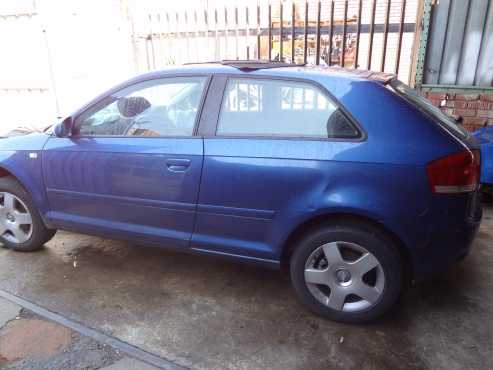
point(206, 313)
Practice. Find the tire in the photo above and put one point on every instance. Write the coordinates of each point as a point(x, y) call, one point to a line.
point(16, 205)
point(334, 259)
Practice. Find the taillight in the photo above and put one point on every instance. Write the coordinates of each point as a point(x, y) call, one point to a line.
point(456, 173)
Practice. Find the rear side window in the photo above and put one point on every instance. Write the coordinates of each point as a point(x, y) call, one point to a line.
point(280, 108)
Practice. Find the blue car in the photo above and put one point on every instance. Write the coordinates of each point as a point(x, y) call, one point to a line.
point(485, 138)
point(348, 180)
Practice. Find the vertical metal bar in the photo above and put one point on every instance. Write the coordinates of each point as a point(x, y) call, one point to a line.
point(151, 41)
point(358, 34)
point(385, 35)
point(293, 25)
point(423, 41)
point(236, 33)
point(177, 38)
point(158, 33)
point(467, 20)
point(344, 24)
point(399, 40)
point(148, 60)
point(372, 31)
point(187, 38)
point(331, 31)
point(445, 38)
point(317, 53)
point(216, 36)
point(196, 34)
point(305, 34)
point(258, 32)
point(170, 39)
point(226, 32)
point(269, 31)
point(247, 25)
point(481, 43)
point(206, 23)
point(281, 21)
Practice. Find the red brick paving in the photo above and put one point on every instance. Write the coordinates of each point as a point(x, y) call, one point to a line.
point(32, 338)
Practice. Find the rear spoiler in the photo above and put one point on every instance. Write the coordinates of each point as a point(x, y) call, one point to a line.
point(381, 77)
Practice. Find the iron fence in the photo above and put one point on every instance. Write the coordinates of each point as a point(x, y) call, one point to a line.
point(367, 34)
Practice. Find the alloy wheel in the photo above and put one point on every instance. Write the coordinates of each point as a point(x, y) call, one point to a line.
point(16, 224)
point(344, 276)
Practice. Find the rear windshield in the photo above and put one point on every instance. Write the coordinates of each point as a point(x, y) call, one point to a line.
point(424, 105)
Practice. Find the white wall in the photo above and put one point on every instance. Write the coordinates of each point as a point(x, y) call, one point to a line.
point(56, 55)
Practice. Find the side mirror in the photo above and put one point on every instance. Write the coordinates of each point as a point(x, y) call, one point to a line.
point(64, 128)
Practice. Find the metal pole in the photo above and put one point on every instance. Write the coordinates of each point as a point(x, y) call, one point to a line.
point(423, 41)
point(280, 32)
point(331, 31)
point(385, 35)
point(399, 40)
point(293, 21)
point(372, 30)
point(319, 10)
point(258, 32)
point(343, 53)
point(358, 33)
point(270, 31)
point(305, 34)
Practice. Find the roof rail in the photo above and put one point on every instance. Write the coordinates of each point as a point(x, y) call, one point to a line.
point(251, 65)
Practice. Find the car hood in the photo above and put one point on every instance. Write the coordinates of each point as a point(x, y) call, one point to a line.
point(33, 141)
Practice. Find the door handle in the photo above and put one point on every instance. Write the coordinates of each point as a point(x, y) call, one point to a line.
point(177, 164)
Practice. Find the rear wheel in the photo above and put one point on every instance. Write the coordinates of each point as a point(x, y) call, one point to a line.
point(347, 273)
point(21, 226)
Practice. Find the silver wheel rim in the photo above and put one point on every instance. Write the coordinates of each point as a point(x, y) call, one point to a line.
point(344, 276)
point(16, 225)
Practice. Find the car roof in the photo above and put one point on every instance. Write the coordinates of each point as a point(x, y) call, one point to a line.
point(336, 79)
point(272, 68)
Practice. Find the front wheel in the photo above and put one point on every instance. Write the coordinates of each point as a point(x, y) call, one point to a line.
point(347, 272)
point(21, 226)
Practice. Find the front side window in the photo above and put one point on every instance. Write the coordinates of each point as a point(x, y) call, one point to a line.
point(166, 107)
point(262, 107)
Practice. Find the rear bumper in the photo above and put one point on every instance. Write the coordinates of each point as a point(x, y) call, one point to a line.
point(450, 236)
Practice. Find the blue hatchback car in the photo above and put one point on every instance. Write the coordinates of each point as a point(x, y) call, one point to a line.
point(348, 179)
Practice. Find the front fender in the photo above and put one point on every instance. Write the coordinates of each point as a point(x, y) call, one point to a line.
point(21, 156)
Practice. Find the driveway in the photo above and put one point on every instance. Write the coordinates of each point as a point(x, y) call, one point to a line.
point(206, 313)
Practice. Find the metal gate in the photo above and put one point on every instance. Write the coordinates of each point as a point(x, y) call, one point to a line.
point(366, 34)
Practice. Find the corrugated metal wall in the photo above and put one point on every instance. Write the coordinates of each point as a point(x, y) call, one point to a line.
point(460, 46)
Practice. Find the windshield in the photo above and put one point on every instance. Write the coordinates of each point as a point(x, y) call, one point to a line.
point(428, 108)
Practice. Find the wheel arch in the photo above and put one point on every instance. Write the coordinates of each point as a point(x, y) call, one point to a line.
point(30, 185)
point(4, 172)
point(343, 217)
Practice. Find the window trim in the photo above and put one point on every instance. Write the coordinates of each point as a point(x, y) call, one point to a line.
point(116, 90)
point(225, 79)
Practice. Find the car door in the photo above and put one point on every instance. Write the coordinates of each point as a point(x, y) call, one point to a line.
point(132, 166)
point(269, 154)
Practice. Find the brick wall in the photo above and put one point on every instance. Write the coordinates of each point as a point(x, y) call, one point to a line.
point(476, 110)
